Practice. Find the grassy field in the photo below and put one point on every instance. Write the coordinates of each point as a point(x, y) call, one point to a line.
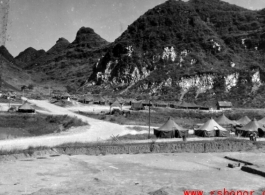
point(185, 118)
point(25, 125)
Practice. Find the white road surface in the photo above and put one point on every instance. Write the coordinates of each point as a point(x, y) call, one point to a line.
point(97, 130)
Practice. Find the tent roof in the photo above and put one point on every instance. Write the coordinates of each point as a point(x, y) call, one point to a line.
point(253, 125)
point(262, 121)
point(26, 106)
point(244, 120)
point(116, 104)
point(120, 99)
point(223, 120)
point(211, 125)
point(170, 125)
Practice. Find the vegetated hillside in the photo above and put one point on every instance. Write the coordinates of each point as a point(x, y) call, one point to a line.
point(71, 63)
point(12, 77)
point(28, 55)
point(197, 50)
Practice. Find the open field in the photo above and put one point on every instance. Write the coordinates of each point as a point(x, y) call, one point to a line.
point(16, 125)
point(158, 116)
point(127, 174)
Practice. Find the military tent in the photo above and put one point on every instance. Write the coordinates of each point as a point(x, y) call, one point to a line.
point(120, 100)
point(225, 122)
point(116, 104)
point(262, 121)
point(170, 130)
point(211, 129)
point(252, 126)
point(26, 108)
point(243, 121)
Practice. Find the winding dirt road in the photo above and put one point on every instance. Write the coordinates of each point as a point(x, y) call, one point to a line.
point(95, 131)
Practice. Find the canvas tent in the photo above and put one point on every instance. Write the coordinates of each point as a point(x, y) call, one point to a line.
point(225, 122)
point(120, 100)
point(211, 129)
point(116, 104)
point(170, 130)
point(26, 108)
point(252, 126)
point(243, 121)
point(262, 121)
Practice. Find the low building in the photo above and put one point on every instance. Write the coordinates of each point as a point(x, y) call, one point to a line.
point(224, 105)
point(137, 105)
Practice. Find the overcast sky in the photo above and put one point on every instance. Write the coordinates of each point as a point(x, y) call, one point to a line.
point(40, 23)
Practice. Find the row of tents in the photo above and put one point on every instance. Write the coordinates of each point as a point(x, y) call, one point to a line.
point(221, 127)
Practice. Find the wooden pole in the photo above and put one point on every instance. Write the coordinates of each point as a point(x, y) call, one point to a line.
point(149, 120)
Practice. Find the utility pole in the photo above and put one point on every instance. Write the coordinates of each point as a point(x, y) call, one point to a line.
point(149, 119)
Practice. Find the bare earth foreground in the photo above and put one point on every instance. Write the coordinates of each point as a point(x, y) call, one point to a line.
point(127, 174)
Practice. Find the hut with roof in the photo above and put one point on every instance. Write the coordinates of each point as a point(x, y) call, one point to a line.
point(224, 105)
point(252, 126)
point(26, 108)
point(170, 130)
point(211, 129)
point(226, 123)
point(160, 104)
point(147, 103)
point(88, 99)
point(137, 105)
point(186, 105)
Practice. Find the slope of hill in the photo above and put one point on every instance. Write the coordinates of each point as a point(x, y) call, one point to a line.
point(12, 77)
point(201, 49)
point(28, 55)
point(5, 53)
point(71, 63)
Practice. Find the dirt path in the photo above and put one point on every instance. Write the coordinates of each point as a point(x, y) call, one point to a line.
point(97, 130)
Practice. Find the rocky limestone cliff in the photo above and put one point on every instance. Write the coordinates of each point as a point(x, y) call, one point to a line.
point(206, 46)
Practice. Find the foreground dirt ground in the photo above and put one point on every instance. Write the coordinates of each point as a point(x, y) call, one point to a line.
point(127, 174)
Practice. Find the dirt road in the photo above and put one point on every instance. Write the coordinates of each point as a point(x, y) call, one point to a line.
point(97, 130)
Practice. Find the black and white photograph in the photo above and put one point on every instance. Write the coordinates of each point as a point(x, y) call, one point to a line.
point(132, 97)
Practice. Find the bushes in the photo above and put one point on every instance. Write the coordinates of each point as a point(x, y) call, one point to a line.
point(39, 124)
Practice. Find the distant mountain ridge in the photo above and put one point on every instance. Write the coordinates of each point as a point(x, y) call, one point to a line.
point(198, 50)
